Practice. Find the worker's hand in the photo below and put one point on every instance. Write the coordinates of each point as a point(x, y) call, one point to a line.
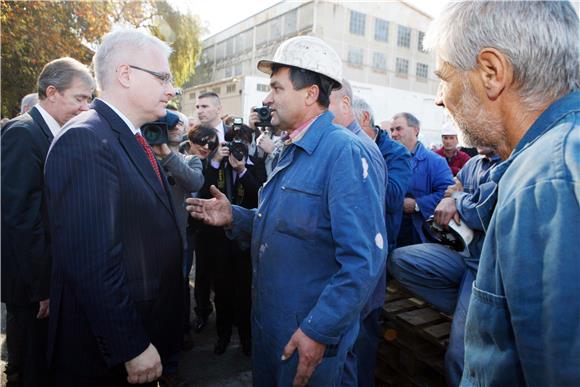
point(409, 206)
point(445, 211)
point(457, 187)
point(310, 354)
point(216, 211)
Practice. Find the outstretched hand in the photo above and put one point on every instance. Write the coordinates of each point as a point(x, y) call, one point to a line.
point(216, 211)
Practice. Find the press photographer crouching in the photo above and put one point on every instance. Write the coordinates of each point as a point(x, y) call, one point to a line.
point(239, 174)
point(184, 174)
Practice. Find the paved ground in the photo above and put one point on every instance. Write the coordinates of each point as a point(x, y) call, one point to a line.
point(198, 367)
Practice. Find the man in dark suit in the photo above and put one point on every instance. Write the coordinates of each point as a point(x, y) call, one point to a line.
point(117, 285)
point(65, 87)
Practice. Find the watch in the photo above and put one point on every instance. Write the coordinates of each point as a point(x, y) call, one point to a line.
point(416, 207)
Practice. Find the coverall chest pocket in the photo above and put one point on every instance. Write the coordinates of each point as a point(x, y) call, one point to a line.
point(302, 205)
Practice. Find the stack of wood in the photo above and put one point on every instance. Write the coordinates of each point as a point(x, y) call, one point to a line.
point(415, 337)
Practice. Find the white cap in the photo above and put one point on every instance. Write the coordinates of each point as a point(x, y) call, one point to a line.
point(309, 53)
point(449, 129)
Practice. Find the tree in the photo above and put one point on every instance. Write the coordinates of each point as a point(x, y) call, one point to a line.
point(36, 32)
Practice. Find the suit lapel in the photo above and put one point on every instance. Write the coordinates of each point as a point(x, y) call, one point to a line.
point(37, 117)
point(136, 153)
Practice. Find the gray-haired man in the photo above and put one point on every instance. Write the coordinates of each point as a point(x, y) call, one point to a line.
point(509, 77)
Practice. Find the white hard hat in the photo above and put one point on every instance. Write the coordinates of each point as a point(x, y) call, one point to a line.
point(309, 53)
point(456, 236)
point(449, 129)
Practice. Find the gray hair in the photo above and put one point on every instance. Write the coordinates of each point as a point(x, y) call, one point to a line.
point(61, 73)
point(539, 38)
point(28, 101)
point(359, 106)
point(411, 119)
point(118, 46)
point(346, 89)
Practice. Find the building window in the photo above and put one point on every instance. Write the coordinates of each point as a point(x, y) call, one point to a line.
point(402, 67)
point(238, 68)
point(231, 88)
point(422, 71)
point(263, 87)
point(379, 61)
point(381, 30)
point(228, 71)
point(229, 47)
point(355, 56)
point(275, 29)
point(261, 33)
point(220, 51)
point(420, 41)
point(290, 22)
point(404, 37)
point(357, 23)
point(192, 95)
point(217, 90)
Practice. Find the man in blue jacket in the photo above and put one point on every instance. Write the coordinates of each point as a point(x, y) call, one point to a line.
point(431, 177)
point(517, 91)
point(318, 237)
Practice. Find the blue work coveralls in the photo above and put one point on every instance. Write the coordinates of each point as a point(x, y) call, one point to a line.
point(524, 314)
point(431, 177)
point(318, 245)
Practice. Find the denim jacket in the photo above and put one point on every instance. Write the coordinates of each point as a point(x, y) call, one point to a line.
point(523, 324)
point(318, 236)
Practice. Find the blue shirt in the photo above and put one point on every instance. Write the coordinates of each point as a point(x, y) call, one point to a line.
point(477, 186)
point(524, 316)
point(318, 236)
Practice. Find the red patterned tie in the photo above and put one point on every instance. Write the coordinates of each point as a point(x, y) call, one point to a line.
point(150, 156)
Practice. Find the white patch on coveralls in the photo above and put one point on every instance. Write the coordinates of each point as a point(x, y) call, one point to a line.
point(263, 249)
point(365, 166)
point(379, 241)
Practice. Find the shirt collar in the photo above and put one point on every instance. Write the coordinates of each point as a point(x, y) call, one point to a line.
point(50, 121)
point(299, 132)
point(123, 117)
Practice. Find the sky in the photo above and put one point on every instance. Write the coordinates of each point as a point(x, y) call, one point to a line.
point(217, 15)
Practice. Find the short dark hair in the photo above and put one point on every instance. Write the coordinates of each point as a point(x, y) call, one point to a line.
point(245, 133)
point(199, 132)
point(209, 94)
point(411, 119)
point(301, 78)
point(61, 73)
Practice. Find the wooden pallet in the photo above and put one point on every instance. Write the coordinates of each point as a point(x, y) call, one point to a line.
point(415, 339)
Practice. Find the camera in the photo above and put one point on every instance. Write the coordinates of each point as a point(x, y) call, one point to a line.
point(156, 132)
point(265, 116)
point(237, 146)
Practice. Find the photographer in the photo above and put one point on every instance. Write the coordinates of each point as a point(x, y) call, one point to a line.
point(268, 143)
point(239, 175)
point(185, 175)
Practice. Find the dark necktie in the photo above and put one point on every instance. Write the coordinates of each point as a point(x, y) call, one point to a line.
point(150, 156)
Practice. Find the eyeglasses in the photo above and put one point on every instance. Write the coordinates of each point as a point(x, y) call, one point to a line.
point(206, 141)
point(166, 78)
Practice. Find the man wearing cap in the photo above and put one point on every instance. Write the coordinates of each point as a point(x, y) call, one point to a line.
point(456, 158)
point(318, 236)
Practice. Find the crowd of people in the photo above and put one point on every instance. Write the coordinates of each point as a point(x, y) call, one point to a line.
point(297, 221)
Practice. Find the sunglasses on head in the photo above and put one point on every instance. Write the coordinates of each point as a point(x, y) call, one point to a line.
point(211, 143)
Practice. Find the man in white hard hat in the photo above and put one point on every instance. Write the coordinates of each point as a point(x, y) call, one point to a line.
point(456, 158)
point(318, 235)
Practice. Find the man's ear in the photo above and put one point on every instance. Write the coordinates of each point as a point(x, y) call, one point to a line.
point(312, 93)
point(124, 75)
point(495, 72)
point(51, 92)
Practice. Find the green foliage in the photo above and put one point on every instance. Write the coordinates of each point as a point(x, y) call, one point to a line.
point(36, 32)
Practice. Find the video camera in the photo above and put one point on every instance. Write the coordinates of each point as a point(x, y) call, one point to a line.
point(156, 132)
point(237, 146)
